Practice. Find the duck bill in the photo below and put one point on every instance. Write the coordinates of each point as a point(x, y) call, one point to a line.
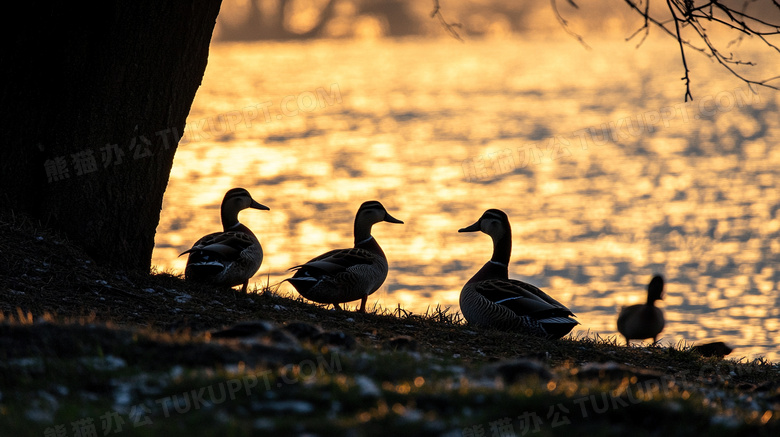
point(391, 219)
point(473, 228)
point(256, 205)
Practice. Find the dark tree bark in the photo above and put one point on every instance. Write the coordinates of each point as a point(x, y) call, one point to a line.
point(94, 101)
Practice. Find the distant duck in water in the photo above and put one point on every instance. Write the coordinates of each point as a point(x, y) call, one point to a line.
point(641, 321)
point(230, 257)
point(491, 299)
point(344, 275)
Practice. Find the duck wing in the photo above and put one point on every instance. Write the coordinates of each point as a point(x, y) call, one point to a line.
point(532, 289)
point(335, 261)
point(521, 298)
point(223, 245)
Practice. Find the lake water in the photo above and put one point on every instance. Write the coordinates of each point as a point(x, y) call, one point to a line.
point(606, 174)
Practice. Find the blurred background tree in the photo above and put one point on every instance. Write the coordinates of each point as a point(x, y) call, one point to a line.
point(712, 28)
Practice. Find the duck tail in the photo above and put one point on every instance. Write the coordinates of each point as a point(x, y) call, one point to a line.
point(303, 283)
point(557, 327)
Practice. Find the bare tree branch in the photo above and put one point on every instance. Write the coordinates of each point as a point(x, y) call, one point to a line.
point(684, 14)
point(450, 28)
point(686, 77)
point(565, 24)
point(689, 22)
point(644, 27)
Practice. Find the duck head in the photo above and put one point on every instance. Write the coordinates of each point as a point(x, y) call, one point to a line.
point(493, 222)
point(235, 201)
point(655, 289)
point(368, 214)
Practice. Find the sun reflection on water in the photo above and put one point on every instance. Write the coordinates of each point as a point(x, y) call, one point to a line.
point(694, 198)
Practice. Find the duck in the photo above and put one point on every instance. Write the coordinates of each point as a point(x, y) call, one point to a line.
point(345, 275)
point(645, 320)
point(231, 257)
point(491, 299)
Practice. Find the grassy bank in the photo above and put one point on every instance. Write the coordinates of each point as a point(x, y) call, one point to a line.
point(84, 348)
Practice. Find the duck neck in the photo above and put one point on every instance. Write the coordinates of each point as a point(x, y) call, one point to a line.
point(364, 239)
point(362, 231)
point(502, 249)
point(651, 300)
point(230, 223)
point(369, 244)
point(229, 219)
point(498, 266)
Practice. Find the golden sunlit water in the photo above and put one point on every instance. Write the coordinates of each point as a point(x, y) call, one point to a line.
point(606, 174)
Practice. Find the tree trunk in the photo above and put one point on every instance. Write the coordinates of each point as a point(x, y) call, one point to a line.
point(94, 101)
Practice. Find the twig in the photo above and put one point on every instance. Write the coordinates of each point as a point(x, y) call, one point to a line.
point(686, 78)
point(645, 26)
point(685, 13)
point(565, 24)
point(450, 28)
